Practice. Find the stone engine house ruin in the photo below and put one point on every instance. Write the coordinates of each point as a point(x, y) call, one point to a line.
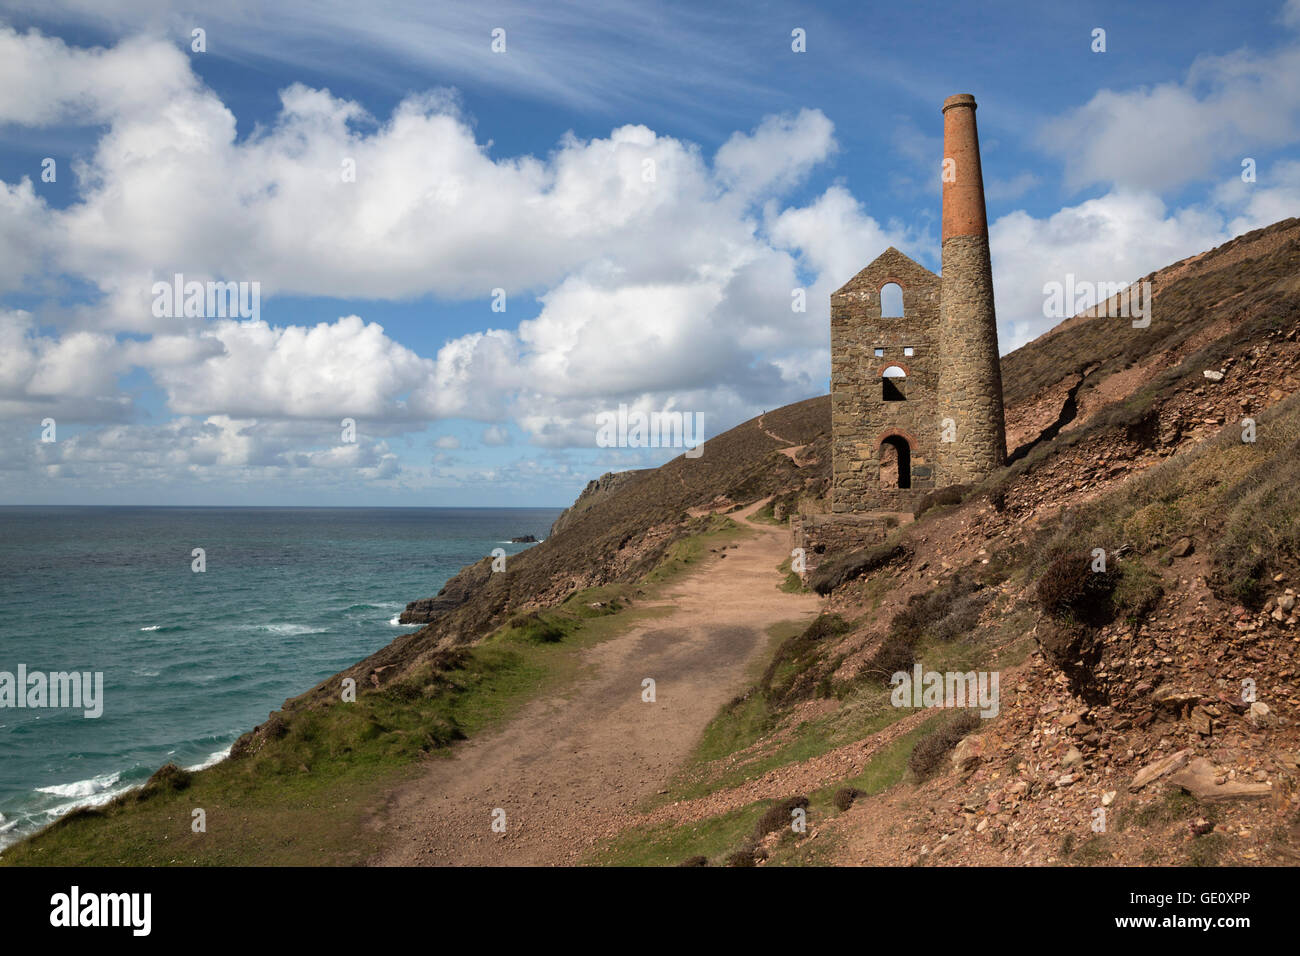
point(916, 391)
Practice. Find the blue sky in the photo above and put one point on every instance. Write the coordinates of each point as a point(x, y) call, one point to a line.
point(646, 183)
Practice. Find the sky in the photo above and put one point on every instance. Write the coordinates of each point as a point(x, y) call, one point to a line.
point(467, 233)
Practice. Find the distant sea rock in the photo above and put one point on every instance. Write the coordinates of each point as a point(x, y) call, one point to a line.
point(525, 539)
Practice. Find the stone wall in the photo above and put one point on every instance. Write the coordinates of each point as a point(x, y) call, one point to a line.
point(824, 536)
point(970, 384)
point(861, 419)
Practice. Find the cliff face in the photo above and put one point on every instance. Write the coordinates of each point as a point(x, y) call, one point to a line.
point(596, 490)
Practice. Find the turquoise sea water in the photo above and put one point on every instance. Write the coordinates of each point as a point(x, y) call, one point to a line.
point(192, 660)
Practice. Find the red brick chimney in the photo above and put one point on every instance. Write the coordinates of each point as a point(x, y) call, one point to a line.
point(970, 378)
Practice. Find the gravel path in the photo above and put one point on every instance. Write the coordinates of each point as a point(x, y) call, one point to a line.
point(569, 770)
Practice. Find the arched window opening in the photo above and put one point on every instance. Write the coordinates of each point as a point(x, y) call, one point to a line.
point(895, 462)
point(892, 382)
point(891, 301)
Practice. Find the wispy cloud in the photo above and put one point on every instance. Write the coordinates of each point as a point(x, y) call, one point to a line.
point(596, 57)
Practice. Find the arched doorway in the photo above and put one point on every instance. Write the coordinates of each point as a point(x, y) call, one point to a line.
point(895, 462)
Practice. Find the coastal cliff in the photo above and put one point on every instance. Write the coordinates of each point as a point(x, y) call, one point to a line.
point(1162, 689)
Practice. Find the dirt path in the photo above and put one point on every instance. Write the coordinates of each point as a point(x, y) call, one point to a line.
point(773, 435)
point(570, 769)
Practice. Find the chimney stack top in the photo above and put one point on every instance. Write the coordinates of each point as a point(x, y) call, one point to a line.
point(959, 99)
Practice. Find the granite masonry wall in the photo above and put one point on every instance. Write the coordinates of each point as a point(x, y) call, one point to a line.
point(865, 427)
point(970, 382)
point(827, 535)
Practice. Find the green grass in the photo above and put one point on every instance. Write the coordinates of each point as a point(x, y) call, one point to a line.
point(727, 755)
point(1175, 806)
point(1232, 493)
point(792, 583)
point(745, 719)
point(810, 739)
point(686, 554)
point(718, 836)
point(307, 797)
point(1207, 850)
point(669, 844)
point(1093, 851)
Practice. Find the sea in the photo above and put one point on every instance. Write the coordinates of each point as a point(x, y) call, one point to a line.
point(192, 659)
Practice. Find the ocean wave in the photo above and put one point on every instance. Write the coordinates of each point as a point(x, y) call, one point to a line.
point(376, 606)
point(83, 788)
point(396, 621)
point(164, 628)
point(211, 760)
point(287, 630)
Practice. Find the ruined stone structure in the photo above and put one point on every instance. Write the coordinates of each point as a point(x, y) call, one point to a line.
point(916, 399)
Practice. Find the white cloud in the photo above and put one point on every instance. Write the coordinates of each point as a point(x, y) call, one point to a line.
point(1118, 237)
point(348, 368)
point(779, 153)
point(495, 435)
point(69, 378)
point(653, 276)
point(44, 81)
point(594, 58)
point(1010, 188)
point(835, 239)
point(664, 277)
point(1161, 137)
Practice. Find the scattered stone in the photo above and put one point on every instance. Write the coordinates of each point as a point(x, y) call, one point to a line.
point(1261, 715)
point(1182, 548)
point(1173, 698)
point(1159, 768)
point(1201, 722)
point(1198, 779)
point(1214, 375)
point(968, 752)
point(1072, 758)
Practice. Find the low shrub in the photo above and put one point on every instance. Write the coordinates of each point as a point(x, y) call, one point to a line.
point(845, 796)
point(778, 816)
point(930, 750)
point(839, 571)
